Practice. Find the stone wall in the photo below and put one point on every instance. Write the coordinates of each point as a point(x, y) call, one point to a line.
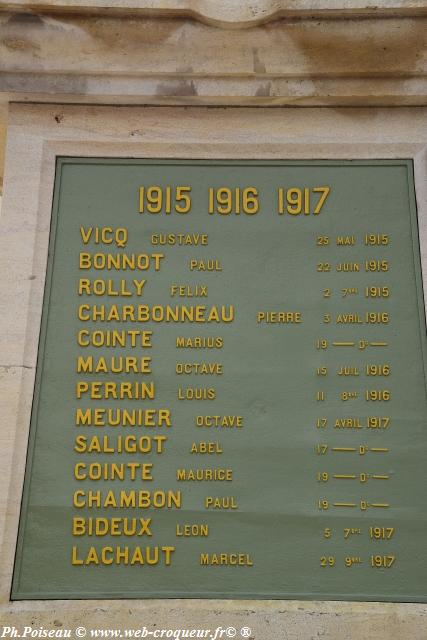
point(198, 52)
point(277, 78)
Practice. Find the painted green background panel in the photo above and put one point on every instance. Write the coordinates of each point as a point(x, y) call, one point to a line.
point(269, 262)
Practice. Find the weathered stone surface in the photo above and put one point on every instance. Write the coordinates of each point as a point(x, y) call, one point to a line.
point(340, 62)
point(226, 13)
point(267, 620)
point(3, 124)
point(47, 54)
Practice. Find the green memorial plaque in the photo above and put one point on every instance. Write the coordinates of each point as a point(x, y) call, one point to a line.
point(230, 397)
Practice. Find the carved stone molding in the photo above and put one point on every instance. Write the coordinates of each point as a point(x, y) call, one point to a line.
point(338, 53)
point(225, 13)
point(70, 58)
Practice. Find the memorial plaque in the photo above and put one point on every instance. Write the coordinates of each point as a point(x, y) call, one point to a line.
point(230, 396)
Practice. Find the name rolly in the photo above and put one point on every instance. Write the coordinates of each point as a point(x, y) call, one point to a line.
point(155, 313)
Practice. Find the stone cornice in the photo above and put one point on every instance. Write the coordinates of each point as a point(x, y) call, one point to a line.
point(165, 58)
point(224, 13)
point(88, 59)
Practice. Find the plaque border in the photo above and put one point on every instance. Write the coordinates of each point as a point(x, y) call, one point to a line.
point(60, 161)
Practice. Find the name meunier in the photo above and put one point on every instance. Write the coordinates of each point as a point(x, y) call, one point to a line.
point(155, 313)
point(101, 417)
